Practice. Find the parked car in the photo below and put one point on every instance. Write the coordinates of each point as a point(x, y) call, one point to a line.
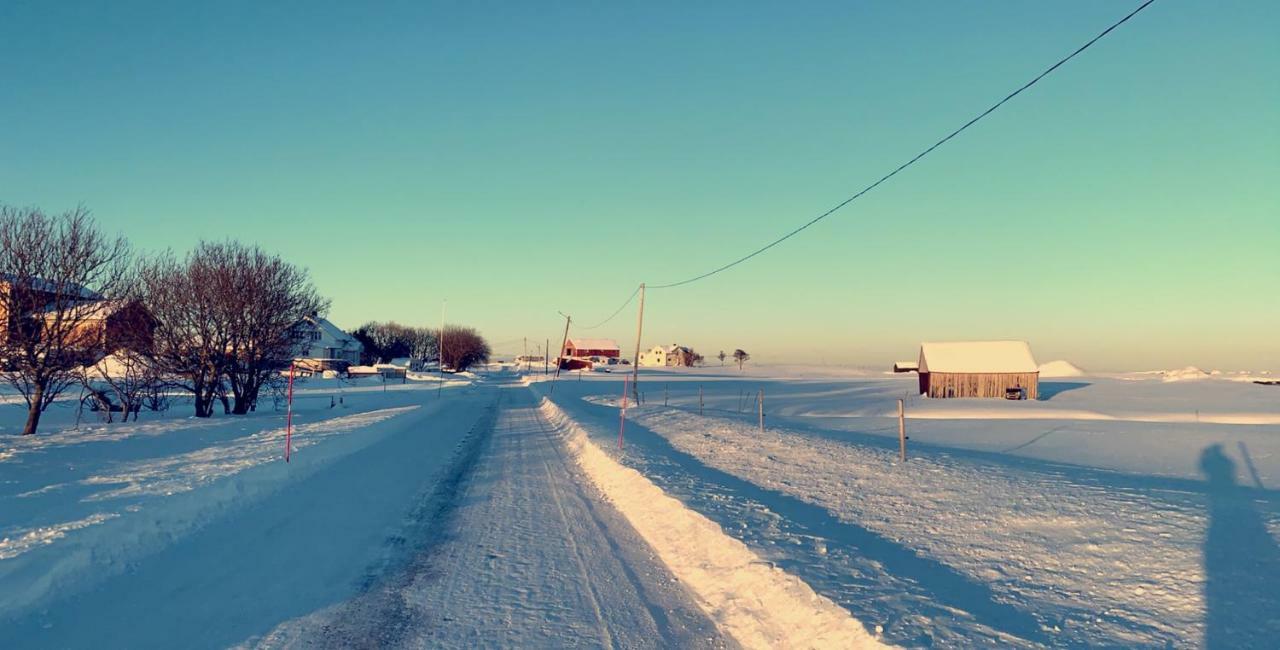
point(1015, 393)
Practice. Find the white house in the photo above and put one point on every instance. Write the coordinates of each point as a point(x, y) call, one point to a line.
point(667, 356)
point(318, 340)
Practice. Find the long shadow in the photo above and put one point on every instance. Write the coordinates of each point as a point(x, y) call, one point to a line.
point(943, 584)
point(1052, 389)
point(1241, 563)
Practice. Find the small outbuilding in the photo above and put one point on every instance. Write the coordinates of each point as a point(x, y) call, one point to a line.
point(906, 366)
point(995, 369)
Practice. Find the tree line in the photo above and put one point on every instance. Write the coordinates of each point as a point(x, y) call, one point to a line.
point(382, 342)
point(219, 322)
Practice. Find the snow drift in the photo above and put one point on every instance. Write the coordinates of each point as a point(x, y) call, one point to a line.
point(1060, 368)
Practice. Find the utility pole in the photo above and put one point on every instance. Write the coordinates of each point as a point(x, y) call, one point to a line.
point(635, 362)
point(546, 357)
point(525, 358)
point(567, 319)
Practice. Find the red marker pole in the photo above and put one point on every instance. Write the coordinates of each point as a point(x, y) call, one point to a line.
point(622, 413)
point(288, 422)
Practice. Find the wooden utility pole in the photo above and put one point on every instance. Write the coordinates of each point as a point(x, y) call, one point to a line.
point(567, 319)
point(761, 400)
point(635, 362)
point(525, 358)
point(546, 357)
point(902, 434)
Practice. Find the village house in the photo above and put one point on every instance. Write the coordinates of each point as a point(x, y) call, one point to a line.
point(667, 356)
point(321, 345)
point(997, 369)
point(100, 325)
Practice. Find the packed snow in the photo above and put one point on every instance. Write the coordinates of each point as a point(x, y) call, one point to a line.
point(1120, 510)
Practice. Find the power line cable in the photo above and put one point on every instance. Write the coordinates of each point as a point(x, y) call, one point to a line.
point(907, 164)
point(615, 313)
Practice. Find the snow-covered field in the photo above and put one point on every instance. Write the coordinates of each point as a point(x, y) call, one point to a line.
point(1137, 510)
point(1115, 512)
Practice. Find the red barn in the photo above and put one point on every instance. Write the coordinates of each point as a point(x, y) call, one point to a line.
point(586, 348)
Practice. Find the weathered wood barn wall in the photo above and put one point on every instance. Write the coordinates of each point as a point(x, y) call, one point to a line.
point(978, 384)
point(977, 369)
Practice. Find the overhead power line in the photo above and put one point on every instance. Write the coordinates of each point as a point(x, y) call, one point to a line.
point(615, 313)
point(904, 165)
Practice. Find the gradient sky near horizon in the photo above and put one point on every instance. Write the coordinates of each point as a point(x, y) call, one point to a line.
point(522, 158)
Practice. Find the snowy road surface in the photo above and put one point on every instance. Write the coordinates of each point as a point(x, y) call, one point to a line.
point(526, 556)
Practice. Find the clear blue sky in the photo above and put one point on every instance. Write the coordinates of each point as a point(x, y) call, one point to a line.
point(520, 158)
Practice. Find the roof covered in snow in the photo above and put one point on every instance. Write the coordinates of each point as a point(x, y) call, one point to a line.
point(977, 356)
point(594, 344)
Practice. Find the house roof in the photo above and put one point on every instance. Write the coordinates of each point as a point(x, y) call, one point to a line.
point(977, 356)
point(594, 344)
point(49, 286)
point(334, 332)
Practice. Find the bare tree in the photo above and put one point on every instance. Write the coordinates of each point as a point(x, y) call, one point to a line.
point(741, 357)
point(225, 317)
point(125, 368)
point(722, 356)
point(192, 334)
point(271, 296)
point(391, 340)
point(425, 344)
point(55, 273)
point(463, 347)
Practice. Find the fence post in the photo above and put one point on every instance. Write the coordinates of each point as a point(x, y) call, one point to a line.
point(664, 394)
point(902, 434)
point(761, 410)
point(699, 399)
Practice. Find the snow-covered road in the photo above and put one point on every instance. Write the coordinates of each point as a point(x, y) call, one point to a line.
point(231, 554)
point(525, 555)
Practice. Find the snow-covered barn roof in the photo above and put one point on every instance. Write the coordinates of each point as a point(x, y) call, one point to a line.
point(977, 357)
point(594, 344)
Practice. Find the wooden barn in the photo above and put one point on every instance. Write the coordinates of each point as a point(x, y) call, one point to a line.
point(996, 369)
point(586, 348)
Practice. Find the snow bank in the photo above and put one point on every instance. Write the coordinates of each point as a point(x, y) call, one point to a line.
point(144, 504)
point(1190, 373)
point(1060, 368)
point(758, 604)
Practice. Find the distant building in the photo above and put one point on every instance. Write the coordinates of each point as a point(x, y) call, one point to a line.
point(585, 353)
point(906, 366)
point(318, 341)
point(587, 348)
point(97, 325)
point(667, 356)
point(999, 369)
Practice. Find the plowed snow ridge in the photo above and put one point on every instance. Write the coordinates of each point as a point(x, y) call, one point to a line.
point(758, 604)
